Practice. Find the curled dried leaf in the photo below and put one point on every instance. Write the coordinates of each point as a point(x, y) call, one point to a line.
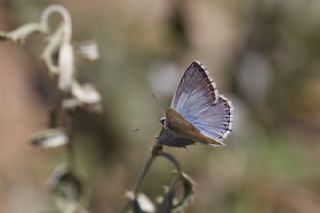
point(3, 36)
point(49, 138)
point(85, 97)
point(86, 93)
point(21, 33)
point(54, 42)
point(70, 103)
point(66, 189)
point(169, 203)
point(73, 104)
point(141, 203)
point(89, 50)
point(188, 194)
point(66, 67)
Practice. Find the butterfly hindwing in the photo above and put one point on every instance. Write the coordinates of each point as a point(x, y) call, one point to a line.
point(214, 122)
point(197, 100)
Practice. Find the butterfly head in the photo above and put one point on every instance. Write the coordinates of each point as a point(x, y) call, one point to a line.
point(163, 120)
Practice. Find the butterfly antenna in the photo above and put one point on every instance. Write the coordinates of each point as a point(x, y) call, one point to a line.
point(141, 128)
point(135, 130)
point(157, 101)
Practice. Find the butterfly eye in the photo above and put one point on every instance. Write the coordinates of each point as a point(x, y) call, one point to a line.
point(163, 120)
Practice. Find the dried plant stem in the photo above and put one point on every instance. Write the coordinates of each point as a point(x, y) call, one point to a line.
point(66, 19)
point(70, 146)
point(69, 95)
point(172, 159)
point(140, 180)
point(71, 155)
point(156, 152)
point(143, 174)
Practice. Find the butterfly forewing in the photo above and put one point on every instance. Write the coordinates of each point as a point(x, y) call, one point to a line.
point(195, 87)
point(197, 100)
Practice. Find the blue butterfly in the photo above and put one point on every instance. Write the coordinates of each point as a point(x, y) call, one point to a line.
point(197, 113)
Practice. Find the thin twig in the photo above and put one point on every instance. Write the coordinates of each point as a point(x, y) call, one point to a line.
point(140, 180)
point(70, 146)
point(143, 175)
point(173, 160)
point(156, 152)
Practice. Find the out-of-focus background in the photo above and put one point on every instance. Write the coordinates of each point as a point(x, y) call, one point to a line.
point(263, 55)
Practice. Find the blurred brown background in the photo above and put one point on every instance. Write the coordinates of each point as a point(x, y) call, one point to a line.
point(263, 55)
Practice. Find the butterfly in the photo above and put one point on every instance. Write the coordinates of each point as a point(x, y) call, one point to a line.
point(197, 112)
